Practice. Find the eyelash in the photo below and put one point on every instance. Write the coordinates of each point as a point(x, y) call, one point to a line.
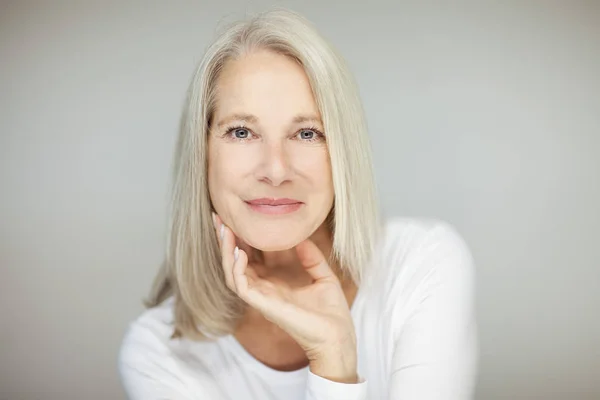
point(318, 134)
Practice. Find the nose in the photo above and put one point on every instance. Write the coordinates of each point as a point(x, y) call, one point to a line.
point(274, 166)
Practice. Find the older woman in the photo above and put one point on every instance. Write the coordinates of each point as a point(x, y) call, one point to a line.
point(280, 282)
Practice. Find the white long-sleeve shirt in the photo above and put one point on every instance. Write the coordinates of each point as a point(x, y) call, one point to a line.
point(414, 321)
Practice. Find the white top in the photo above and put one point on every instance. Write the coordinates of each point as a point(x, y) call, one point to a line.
point(415, 327)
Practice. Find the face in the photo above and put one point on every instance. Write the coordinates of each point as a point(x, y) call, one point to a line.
point(269, 173)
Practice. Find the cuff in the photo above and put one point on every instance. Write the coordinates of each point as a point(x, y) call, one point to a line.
point(319, 388)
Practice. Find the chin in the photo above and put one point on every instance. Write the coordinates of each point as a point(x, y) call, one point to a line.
point(279, 236)
point(274, 243)
point(275, 233)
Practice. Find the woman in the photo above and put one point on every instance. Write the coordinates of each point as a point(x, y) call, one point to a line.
point(280, 282)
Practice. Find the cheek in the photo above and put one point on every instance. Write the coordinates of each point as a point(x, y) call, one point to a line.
point(228, 168)
point(225, 166)
point(219, 172)
point(317, 166)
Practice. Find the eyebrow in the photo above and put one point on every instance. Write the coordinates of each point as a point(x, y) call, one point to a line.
point(307, 118)
point(237, 117)
point(252, 119)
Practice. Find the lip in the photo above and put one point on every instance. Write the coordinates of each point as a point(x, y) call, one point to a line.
point(270, 201)
point(272, 206)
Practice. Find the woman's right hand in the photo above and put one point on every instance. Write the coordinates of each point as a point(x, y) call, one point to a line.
point(316, 316)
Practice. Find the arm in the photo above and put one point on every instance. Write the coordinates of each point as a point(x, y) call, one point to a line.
point(316, 316)
point(333, 376)
point(434, 356)
point(434, 352)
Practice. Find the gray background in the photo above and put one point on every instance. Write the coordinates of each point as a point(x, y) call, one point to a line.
point(485, 114)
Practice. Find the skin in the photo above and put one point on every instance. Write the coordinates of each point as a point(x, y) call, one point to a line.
point(267, 140)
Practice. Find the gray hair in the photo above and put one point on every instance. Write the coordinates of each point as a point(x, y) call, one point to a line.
point(192, 269)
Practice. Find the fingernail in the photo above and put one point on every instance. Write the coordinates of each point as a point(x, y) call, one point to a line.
point(214, 217)
point(222, 232)
point(236, 253)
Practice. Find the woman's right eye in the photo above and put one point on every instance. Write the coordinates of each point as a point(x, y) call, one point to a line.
point(239, 133)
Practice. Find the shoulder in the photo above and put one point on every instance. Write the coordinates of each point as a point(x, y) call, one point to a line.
point(147, 338)
point(432, 242)
point(416, 231)
point(148, 354)
point(152, 365)
point(153, 326)
point(416, 255)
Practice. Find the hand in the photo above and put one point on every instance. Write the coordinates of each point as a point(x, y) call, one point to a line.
point(316, 316)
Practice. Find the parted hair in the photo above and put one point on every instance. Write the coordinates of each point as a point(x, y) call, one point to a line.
point(191, 273)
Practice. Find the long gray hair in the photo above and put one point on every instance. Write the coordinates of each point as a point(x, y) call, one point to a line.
point(192, 269)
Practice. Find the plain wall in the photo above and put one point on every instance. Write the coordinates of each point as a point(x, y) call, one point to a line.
point(484, 114)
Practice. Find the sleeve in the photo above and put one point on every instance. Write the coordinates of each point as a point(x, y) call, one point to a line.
point(435, 350)
point(149, 371)
point(319, 388)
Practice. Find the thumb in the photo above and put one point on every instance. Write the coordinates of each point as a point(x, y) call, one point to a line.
point(313, 261)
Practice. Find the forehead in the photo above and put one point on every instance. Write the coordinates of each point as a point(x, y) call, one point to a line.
point(265, 84)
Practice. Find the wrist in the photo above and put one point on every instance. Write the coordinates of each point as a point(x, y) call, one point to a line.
point(338, 365)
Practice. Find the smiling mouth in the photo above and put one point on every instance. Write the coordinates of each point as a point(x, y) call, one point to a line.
point(272, 206)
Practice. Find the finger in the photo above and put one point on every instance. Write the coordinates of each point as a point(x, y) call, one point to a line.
point(240, 279)
point(249, 250)
point(247, 283)
point(227, 239)
point(217, 223)
point(251, 275)
point(214, 221)
point(313, 261)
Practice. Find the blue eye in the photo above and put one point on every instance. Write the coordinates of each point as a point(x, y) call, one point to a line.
point(241, 133)
point(310, 135)
point(307, 134)
point(238, 133)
